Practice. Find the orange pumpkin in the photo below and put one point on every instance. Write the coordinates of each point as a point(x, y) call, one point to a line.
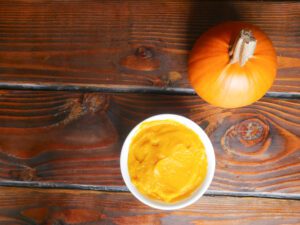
point(232, 65)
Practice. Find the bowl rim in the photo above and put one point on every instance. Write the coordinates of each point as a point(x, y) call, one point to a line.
point(211, 163)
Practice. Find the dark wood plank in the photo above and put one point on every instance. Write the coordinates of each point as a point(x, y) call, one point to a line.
point(63, 207)
point(134, 43)
point(75, 138)
point(257, 147)
point(53, 136)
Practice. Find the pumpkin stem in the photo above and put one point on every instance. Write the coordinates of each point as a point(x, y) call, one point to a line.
point(243, 47)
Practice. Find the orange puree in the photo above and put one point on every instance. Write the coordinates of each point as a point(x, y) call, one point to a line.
point(167, 160)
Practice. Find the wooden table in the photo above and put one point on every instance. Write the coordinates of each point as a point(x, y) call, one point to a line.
point(76, 76)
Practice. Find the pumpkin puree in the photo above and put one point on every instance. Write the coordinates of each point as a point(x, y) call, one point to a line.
point(166, 160)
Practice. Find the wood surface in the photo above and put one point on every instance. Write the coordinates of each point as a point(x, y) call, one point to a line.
point(75, 138)
point(66, 207)
point(129, 44)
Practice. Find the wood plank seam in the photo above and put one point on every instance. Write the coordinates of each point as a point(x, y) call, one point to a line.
point(124, 89)
point(108, 188)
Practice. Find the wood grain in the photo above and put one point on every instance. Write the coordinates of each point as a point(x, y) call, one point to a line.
point(74, 138)
point(66, 134)
point(257, 147)
point(134, 43)
point(63, 207)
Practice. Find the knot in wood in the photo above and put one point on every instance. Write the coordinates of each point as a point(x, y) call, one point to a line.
point(93, 102)
point(24, 174)
point(248, 137)
point(172, 78)
point(252, 131)
point(142, 59)
point(144, 52)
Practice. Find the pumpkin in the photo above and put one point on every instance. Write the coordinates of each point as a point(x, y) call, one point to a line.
point(232, 65)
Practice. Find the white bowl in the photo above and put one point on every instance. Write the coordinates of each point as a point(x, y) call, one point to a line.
point(211, 162)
